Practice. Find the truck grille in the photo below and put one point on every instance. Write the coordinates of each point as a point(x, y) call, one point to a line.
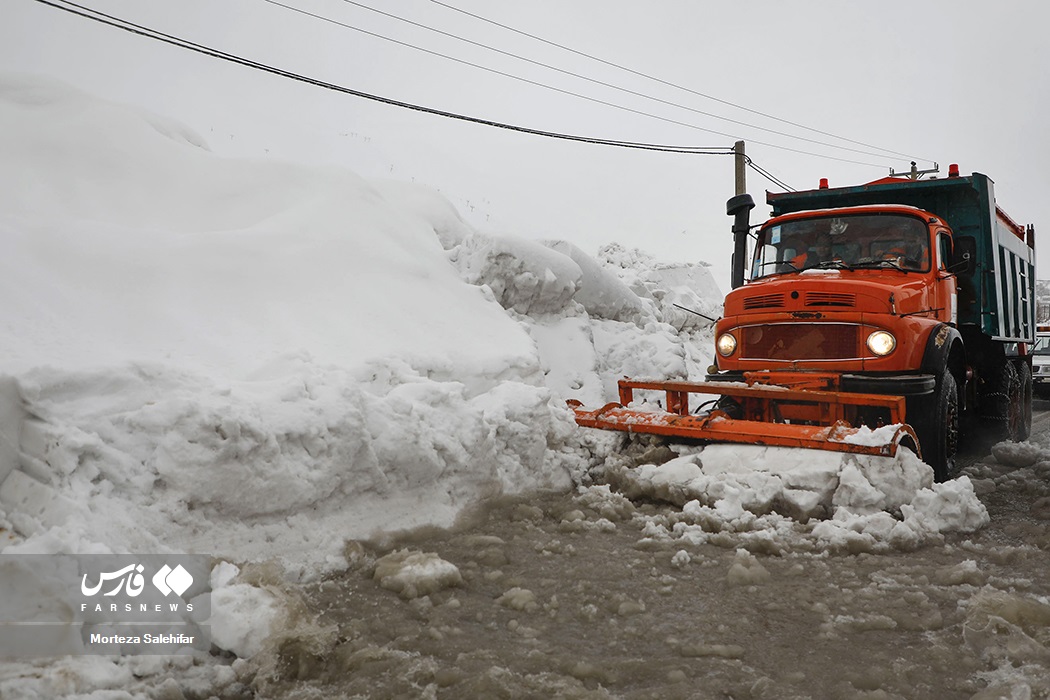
point(830, 299)
point(800, 341)
point(764, 301)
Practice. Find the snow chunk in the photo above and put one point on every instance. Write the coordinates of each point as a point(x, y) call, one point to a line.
point(945, 507)
point(412, 574)
point(1018, 454)
point(519, 599)
point(665, 285)
point(746, 570)
point(601, 292)
point(857, 493)
point(243, 617)
point(1007, 629)
point(523, 275)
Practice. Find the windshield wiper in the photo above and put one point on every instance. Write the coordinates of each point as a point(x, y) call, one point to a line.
point(779, 264)
point(879, 263)
point(836, 264)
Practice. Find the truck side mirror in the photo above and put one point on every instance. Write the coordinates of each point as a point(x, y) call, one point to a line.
point(964, 255)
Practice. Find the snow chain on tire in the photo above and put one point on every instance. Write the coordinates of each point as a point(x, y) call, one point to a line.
point(1024, 373)
point(1001, 402)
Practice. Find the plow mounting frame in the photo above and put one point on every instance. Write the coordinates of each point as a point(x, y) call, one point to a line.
point(801, 410)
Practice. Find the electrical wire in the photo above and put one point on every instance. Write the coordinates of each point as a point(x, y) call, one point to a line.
point(769, 176)
point(674, 85)
point(588, 79)
point(146, 32)
point(215, 53)
point(563, 91)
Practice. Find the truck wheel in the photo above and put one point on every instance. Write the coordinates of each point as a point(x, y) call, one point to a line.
point(1001, 402)
point(1024, 373)
point(937, 427)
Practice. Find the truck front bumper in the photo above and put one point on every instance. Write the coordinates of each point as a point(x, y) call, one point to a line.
point(891, 385)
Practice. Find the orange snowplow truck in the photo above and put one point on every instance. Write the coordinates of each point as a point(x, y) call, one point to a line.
point(874, 316)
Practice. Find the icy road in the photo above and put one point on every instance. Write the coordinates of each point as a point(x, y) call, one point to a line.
point(587, 596)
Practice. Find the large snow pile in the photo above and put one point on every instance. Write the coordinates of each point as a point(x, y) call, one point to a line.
point(261, 361)
point(240, 356)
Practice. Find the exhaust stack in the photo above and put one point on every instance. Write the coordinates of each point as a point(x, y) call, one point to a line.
point(740, 207)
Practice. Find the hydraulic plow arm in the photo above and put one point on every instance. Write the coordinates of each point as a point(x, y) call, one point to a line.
point(770, 415)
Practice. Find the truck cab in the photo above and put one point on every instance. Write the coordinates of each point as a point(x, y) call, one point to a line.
point(851, 290)
point(919, 289)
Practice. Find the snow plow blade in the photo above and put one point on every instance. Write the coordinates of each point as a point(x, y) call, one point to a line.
point(771, 415)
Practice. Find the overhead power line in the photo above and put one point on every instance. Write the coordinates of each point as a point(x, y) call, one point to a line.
point(89, 13)
point(674, 85)
point(560, 90)
point(146, 32)
point(766, 174)
point(589, 79)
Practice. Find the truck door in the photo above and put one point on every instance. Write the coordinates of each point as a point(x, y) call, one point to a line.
point(947, 286)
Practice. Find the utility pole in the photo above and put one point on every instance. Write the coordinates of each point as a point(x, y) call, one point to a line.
point(740, 162)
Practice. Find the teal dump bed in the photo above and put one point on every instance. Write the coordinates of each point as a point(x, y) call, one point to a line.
point(998, 295)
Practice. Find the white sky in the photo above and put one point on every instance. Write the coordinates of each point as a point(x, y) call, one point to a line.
point(944, 81)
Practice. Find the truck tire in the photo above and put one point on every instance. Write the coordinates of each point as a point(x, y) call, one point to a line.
point(1001, 402)
point(936, 424)
point(1024, 372)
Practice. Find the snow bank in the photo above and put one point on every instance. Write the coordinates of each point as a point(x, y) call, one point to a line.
point(250, 359)
point(122, 243)
point(258, 360)
point(289, 464)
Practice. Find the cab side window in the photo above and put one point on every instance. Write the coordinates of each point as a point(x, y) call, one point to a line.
point(944, 250)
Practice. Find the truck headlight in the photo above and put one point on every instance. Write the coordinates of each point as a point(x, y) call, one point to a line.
point(881, 343)
point(726, 344)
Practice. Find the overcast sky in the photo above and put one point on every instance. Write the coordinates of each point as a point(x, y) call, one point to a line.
point(937, 80)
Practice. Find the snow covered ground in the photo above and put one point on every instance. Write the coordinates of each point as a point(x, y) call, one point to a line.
point(263, 362)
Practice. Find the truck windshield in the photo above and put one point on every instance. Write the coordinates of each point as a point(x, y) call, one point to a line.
point(1042, 345)
point(894, 241)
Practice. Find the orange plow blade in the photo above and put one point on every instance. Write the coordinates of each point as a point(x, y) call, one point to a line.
point(770, 415)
